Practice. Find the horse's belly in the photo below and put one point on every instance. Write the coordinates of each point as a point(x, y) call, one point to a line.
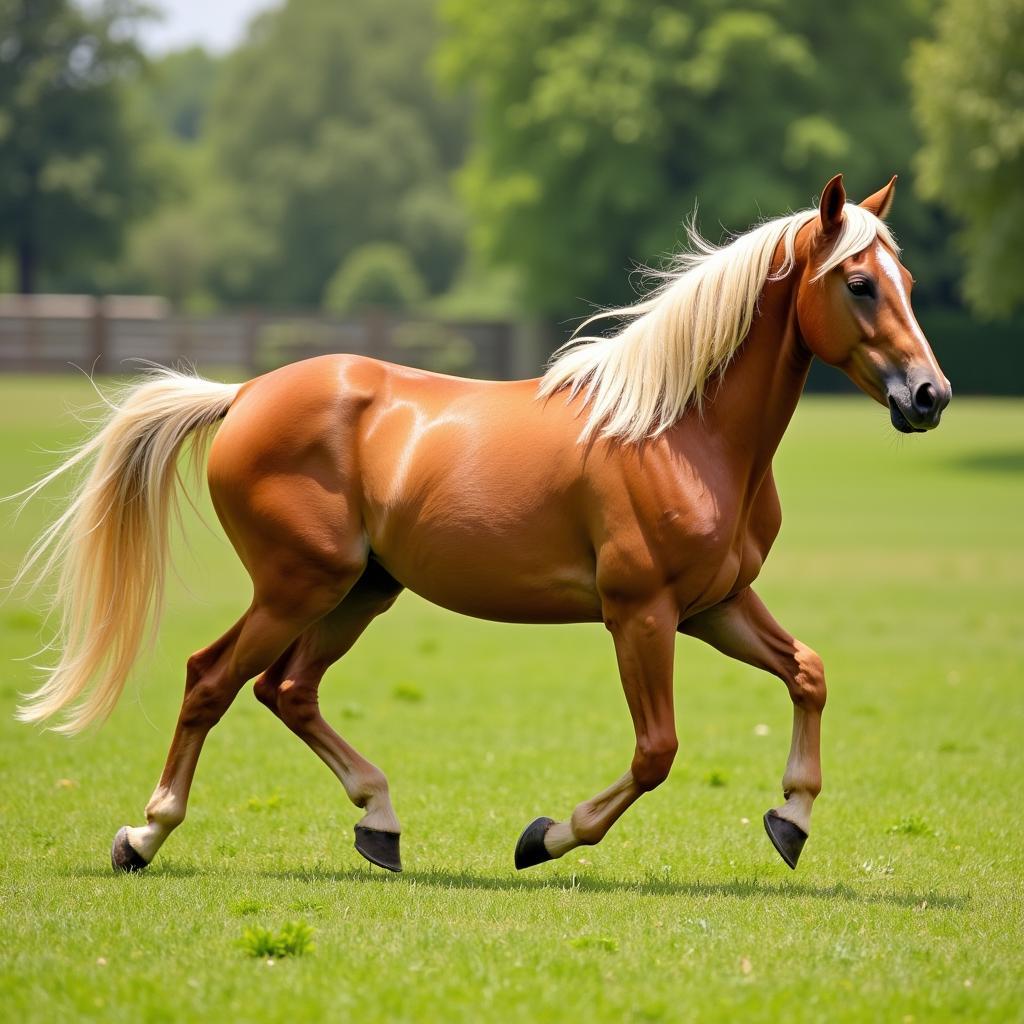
point(488, 576)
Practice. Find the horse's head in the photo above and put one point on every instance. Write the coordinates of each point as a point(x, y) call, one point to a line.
point(857, 316)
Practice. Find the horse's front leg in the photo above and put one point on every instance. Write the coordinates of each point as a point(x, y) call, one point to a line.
point(644, 636)
point(744, 629)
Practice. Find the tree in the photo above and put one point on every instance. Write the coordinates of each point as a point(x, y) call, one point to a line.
point(180, 86)
point(70, 157)
point(600, 124)
point(379, 275)
point(969, 101)
point(330, 134)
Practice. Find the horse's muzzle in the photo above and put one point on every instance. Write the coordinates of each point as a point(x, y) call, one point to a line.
point(916, 406)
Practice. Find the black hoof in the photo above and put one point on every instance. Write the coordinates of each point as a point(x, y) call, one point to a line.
point(379, 847)
point(530, 849)
point(123, 856)
point(786, 837)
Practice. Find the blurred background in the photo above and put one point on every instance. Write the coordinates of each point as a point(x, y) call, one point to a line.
point(452, 184)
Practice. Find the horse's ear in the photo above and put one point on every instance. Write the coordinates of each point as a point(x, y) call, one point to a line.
point(881, 202)
point(830, 208)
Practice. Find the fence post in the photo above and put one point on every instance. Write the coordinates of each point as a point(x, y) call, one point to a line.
point(99, 329)
point(378, 334)
point(528, 351)
point(250, 339)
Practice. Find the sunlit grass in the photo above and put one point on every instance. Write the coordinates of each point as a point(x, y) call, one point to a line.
point(902, 564)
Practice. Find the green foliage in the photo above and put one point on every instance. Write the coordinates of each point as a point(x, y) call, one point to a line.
point(600, 124)
point(170, 253)
point(71, 158)
point(375, 276)
point(179, 87)
point(329, 131)
point(969, 101)
point(293, 939)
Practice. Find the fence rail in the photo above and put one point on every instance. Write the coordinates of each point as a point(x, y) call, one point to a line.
point(55, 333)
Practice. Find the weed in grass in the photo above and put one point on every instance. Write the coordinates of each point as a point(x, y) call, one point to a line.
point(716, 779)
point(408, 692)
point(269, 803)
point(295, 938)
point(246, 907)
point(911, 826)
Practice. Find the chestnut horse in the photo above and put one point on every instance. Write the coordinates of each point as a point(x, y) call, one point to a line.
point(632, 485)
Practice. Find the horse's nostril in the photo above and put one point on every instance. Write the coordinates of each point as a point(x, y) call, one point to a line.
point(925, 398)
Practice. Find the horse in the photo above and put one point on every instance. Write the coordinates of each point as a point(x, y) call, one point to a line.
point(630, 485)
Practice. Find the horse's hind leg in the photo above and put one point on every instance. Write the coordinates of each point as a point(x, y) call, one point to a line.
point(290, 687)
point(744, 629)
point(286, 603)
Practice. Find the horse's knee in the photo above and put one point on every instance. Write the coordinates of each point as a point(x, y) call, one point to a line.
point(653, 761)
point(806, 681)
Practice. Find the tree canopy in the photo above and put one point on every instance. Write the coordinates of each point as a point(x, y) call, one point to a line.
point(71, 157)
point(600, 125)
point(512, 156)
point(329, 129)
point(969, 100)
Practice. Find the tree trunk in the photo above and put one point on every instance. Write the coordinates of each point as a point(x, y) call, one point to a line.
point(27, 264)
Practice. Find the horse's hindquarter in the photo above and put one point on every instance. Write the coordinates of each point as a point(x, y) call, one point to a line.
point(473, 498)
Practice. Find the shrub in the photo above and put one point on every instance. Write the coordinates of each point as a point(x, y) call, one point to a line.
point(379, 276)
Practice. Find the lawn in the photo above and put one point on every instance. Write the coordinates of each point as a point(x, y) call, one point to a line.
point(900, 560)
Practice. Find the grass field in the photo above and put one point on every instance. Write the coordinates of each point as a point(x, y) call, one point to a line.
point(901, 561)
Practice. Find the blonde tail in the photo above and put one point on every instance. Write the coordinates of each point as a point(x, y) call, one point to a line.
point(109, 547)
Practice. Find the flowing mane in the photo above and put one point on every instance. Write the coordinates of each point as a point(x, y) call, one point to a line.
point(639, 381)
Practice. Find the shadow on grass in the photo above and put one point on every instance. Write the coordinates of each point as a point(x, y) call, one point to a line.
point(743, 889)
point(999, 461)
point(736, 889)
point(158, 871)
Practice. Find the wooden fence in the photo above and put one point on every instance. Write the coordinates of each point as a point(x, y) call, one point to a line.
point(113, 334)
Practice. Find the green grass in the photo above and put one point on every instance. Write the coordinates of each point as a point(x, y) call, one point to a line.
point(901, 561)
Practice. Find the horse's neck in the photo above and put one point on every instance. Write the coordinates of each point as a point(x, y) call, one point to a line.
point(758, 393)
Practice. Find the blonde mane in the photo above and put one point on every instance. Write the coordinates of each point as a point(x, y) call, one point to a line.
point(638, 382)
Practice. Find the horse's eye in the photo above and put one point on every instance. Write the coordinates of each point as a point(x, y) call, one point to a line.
point(861, 287)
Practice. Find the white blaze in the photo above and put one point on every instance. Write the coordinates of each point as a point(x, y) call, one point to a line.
point(891, 269)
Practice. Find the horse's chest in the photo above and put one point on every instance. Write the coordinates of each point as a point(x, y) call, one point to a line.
point(709, 566)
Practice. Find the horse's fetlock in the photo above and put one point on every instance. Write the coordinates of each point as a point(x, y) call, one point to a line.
point(168, 813)
point(373, 788)
point(587, 828)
